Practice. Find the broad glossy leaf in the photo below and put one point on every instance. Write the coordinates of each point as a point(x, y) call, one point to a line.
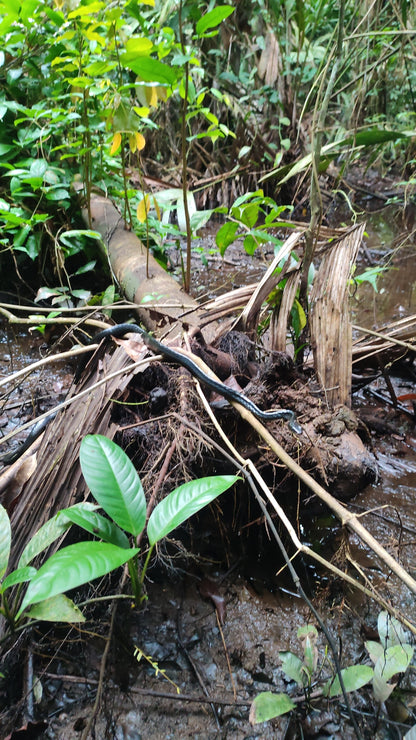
point(21, 575)
point(354, 677)
point(213, 18)
point(57, 609)
point(267, 706)
point(98, 525)
point(5, 540)
point(183, 502)
point(114, 482)
point(73, 566)
point(48, 533)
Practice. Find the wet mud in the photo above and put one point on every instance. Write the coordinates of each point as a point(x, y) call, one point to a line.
point(219, 667)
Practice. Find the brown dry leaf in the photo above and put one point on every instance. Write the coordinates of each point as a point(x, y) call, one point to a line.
point(268, 65)
point(209, 590)
point(134, 347)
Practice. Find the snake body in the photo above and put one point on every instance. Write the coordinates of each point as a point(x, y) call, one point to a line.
point(120, 330)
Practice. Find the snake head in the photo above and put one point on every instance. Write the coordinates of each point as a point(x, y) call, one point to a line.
point(294, 425)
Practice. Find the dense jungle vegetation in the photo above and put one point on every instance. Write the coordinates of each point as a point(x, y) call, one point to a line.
point(215, 100)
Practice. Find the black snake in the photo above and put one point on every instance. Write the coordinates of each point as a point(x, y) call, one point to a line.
point(120, 330)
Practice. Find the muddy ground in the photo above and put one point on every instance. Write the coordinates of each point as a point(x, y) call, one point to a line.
point(219, 668)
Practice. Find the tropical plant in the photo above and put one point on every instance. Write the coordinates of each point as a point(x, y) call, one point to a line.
point(117, 488)
point(391, 656)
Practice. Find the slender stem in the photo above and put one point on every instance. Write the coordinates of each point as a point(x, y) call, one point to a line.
point(135, 581)
point(187, 280)
point(145, 566)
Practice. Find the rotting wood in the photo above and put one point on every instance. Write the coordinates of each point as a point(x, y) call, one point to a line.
point(329, 318)
point(391, 341)
point(280, 317)
point(249, 317)
point(160, 302)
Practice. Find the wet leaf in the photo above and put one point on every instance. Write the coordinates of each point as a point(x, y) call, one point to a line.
point(57, 609)
point(209, 590)
point(98, 525)
point(113, 481)
point(48, 533)
point(73, 566)
point(183, 502)
point(21, 575)
point(267, 706)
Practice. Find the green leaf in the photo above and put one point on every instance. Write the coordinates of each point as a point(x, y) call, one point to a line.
point(148, 69)
point(267, 706)
point(21, 575)
point(85, 268)
point(67, 236)
point(73, 566)
point(225, 236)
point(114, 482)
point(390, 630)
point(5, 540)
point(98, 525)
point(396, 659)
point(247, 214)
point(138, 46)
point(56, 609)
point(354, 677)
point(185, 501)
point(298, 318)
point(250, 244)
point(38, 168)
point(56, 194)
point(370, 275)
point(48, 533)
point(292, 666)
point(83, 10)
point(213, 18)
point(375, 650)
